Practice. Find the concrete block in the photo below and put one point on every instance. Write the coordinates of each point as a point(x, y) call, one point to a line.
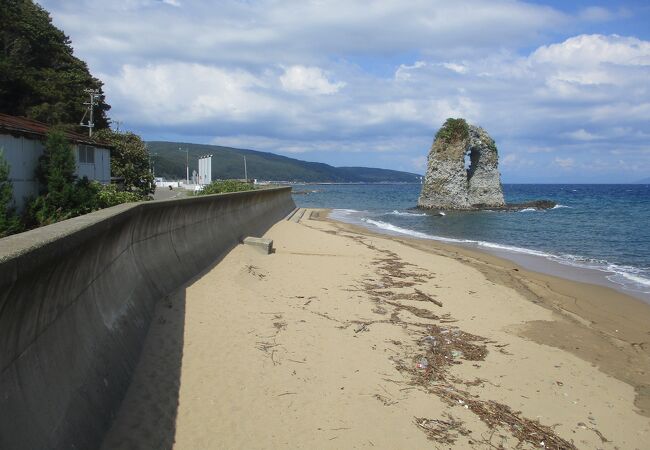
point(263, 245)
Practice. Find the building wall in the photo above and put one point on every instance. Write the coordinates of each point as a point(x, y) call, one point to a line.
point(22, 155)
point(104, 175)
point(99, 170)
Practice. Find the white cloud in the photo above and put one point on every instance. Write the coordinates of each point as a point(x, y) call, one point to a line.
point(403, 71)
point(289, 32)
point(458, 68)
point(515, 162)
point(512, 97)
point(594, 50)
point(564, 163)
point(181, 93)
point(581, 135)
point(308, 80)
point(340, 77)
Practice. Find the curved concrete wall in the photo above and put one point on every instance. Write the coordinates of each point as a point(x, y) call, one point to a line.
point(77, 297)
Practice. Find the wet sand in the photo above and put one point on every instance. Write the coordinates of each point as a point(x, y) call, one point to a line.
point(318, 346)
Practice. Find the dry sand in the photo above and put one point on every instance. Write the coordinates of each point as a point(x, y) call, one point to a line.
point(317, 346)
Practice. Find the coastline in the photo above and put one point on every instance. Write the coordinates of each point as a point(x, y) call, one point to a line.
point(345, 338)
point(533, 260)
point(614, 325)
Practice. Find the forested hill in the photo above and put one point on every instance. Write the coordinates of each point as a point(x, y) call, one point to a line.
point(228, 162)
point(40, 77)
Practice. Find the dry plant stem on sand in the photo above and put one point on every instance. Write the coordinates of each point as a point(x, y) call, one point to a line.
point(439, 348)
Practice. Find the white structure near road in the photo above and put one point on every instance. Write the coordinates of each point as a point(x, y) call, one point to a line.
point(23, 141)
point(205, 169)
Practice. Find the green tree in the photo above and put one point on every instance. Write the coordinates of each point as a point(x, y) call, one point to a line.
point(62, 196)
point(39, 76)
point(129, 161)
point(56, 166)
point(55, 173)
point(9, 222)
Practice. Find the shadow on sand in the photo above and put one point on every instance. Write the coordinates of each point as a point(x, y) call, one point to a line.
point(147, 416)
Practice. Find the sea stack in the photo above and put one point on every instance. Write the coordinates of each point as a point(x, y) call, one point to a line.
point(448, 184)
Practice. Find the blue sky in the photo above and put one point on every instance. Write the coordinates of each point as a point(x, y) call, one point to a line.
point(563, 87)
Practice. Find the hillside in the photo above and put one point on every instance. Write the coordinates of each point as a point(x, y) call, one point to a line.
point(40, 77)
point(228, 162)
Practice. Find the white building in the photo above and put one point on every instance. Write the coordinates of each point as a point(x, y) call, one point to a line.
point(23, 141)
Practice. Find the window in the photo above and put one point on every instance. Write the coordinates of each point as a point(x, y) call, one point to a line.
point(86, 154)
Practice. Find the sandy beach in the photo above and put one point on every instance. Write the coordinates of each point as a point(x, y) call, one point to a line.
point(346, 339)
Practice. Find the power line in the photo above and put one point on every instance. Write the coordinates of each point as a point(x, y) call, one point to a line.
point(90, 110)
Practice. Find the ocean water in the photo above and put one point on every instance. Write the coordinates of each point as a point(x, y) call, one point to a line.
point(597, 233)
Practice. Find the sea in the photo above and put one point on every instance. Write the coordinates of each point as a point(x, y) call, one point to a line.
point(597, 233)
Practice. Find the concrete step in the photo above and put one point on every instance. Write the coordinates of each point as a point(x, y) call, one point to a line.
point(261, 244)
point(295, 210)
point(298, 215)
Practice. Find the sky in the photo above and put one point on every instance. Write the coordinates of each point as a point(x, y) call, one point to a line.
point(562, 86)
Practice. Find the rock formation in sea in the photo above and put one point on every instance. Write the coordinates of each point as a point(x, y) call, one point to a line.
point(448, 184)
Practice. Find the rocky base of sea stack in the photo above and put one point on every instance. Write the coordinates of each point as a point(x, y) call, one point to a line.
point(536, 204)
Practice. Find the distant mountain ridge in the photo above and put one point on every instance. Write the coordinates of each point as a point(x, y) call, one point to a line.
point(643, 181)
point(227, 162)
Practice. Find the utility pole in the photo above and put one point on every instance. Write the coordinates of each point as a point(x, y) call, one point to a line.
point(90, 110)
point(152, 159)
point(245, 170)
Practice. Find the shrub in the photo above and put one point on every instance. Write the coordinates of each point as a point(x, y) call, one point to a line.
point(453, 130)
point(129, 161)
point(220, 187)
point(9, 222)
point(110, 196)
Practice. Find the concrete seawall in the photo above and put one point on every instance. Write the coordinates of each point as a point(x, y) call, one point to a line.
point(77, 297)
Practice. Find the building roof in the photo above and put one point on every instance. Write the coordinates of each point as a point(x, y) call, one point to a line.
point(35, 129)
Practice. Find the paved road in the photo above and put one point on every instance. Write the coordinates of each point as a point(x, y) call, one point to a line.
point(163, 193)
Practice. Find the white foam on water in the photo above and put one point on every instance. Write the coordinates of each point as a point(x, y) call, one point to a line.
point(528, 210)
point(560, 206)
point(512, 248)
point(395, 229)
point(643, 283)
point(626, 275)
point(629, 277)
point(343, 210)
point(404, 213)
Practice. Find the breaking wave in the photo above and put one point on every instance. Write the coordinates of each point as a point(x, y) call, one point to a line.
point(404, 213)
point(629, 277)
